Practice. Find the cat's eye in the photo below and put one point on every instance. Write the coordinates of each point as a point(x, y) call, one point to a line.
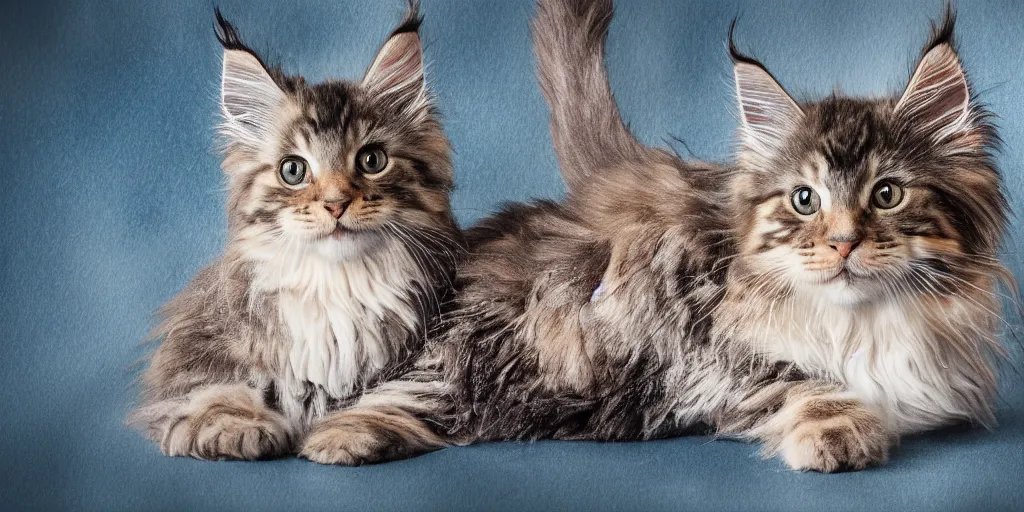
point(371, 160)
point(887, 195)
point(806, 201)
point(293, 170)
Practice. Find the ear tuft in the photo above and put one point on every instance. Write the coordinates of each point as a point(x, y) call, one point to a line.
point(226, 33)
point(412, 21)
point(942, 33)
point(938, 97)
point(250, 98)
point(734, 52)
point(768, 113)
point(397, 71)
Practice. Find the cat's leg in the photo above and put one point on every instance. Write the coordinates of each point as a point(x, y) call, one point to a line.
point(813, 426)
point(213, 422)
point(397, 419)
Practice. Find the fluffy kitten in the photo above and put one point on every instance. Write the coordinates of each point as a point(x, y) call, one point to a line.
point(834, 290)
point(342, 246)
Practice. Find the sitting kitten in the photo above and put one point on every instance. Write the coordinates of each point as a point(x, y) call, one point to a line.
point(342, 245)
point(833, 291)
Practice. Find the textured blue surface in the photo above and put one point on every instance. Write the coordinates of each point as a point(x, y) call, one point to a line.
point(112, 198)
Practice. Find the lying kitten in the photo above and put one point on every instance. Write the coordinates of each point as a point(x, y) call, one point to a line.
point(342, 245)
point(833, 291)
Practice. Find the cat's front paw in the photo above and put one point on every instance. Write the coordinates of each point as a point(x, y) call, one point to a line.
point(834, 435)
point(339, 446)
point(227, 436)
point(367, 435)
point(218, 422)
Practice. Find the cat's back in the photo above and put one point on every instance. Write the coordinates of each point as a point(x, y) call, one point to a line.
point(571, 302)
point(513, 252)
point(661, 224)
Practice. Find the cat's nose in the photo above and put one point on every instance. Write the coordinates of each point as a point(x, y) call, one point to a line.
point(336, 207)
point(845, 247)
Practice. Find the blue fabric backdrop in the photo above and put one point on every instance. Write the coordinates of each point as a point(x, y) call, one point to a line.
point(112, 199)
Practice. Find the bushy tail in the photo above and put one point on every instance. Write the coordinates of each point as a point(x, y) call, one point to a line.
point(568, 37)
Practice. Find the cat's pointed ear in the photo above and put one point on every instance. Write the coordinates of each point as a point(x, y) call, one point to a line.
point(397, 71)
point(937, 99)
point(768, 112)
point(249, 96)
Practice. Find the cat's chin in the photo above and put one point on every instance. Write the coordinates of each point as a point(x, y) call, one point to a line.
point(347, 246)
point(842, 289)
point(845, 295)
point(841, 292)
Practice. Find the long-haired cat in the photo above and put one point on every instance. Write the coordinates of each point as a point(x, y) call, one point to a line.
point(834, 290)
point(342, 246)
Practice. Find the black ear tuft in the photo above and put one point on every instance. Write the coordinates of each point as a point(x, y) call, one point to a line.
point(769, 113)
point(226, 33)
point(412, 21)
point(942, 33)
point(734, 53)
point(937, 100)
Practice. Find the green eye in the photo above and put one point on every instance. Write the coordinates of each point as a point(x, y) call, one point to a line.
point(293, 170)
point(806, 201)
point(887, 195)
point(371, 160)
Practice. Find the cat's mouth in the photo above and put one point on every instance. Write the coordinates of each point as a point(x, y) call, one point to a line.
point(338, 233)
point(342, 232)
point(843, 276)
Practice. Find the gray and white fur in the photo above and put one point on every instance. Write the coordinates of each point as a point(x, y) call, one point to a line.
point(342, 246)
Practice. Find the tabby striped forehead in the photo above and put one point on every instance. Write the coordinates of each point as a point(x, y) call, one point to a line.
point(334, 120)
point(844, 157)
point(842, 149)
point(329, 114)
point(328, 108)
point(324, 131)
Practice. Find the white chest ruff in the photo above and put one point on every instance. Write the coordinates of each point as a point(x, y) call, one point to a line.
point(921, 368)
point(335, 314)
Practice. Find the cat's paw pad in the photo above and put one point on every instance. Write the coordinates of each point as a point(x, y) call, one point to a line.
point(227, 436)
point(835, 436)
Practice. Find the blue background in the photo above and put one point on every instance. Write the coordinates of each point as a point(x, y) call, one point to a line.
point(112, 199)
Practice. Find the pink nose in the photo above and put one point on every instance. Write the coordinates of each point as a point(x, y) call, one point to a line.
point(337, 207)
point(844, 248)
